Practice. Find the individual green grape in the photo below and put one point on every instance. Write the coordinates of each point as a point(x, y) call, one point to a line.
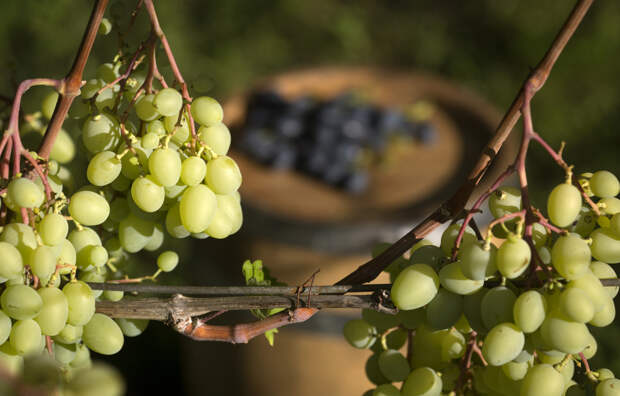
point(382, 321)
point(415, 287)
point(119, 209)
point(605, 271)
point(605, 373)
point(497, 306)
point(429, 255)
point(448, 238)
point(604, 184)
point(453, 279)
point(113, 295)
point(564, 335)
point(591, 348)
point(220, 225)
point(64, 353)
point(149, 141)
point(21, 302)
point(102, 335)
point(103, 168)
point(609, 206)
point(43, 262)
point(147, 193)
point(25, 193)
point(167, 261)
point(5, 327)
point(585, 223)
point(393, 365)
point(165, 166)
point(135, 233)
point(542, 379)
point(156, 127)
point(452, 344)
point(411, 319)
point(564, 204)
point(502, 344)
point(193, 170)
point(69, 334)
point(513, 257)
point(396, 339)
point(81, 302)
point(91, 87)
point(168, 102)
point(223, 175)
point(132, 327)
point(157, 239)
point(145, 110)
point(105, 100)
point(96, 256)
point(422, 381)
point(10, 360)
point(98, 380)
point(197, 207)
point(53, 229)
point(589, 283)
point(471, 309)
point(515, 371)
point(26, 337)
point(576, 306)
point(570, 256)
point(359, 334)
point(216, 136)
point(477, 260)
point(135, 165)
point(529, 311)
point(89, 208)
point(174, 226)
point(100, 132)
point(231, 207)
point(105, 27)
point(207, 111)
point(54, 312)
point(605, 316)
point(121, 183)
point(373, 373)
point(608, 387)
point(108, 72)
point(386, 390)
point(605, 246)
point(444, 310)
point(67, 255)
point(81, 241)
point(49, 104)
point(11, 263)
point(505, 200)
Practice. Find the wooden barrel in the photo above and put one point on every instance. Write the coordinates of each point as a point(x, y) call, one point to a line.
point(297, 224)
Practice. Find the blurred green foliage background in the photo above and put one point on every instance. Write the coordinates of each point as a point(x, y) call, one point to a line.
point(487, 46)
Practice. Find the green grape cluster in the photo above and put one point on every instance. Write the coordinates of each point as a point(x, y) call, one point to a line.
point(130, 177)
point(526, 309)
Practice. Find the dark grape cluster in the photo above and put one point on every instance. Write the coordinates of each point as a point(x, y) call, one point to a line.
point(332, 140)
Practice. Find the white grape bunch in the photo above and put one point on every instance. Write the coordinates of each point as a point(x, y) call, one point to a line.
point(501, 315)
point(139, 164)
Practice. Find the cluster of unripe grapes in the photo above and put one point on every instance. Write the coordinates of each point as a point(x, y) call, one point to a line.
point(130, 178)
point(524, 307)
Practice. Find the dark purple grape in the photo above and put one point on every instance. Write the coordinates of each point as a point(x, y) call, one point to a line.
point(290, 127)
point(285, 156)
point(260, 144)
point(356, 182)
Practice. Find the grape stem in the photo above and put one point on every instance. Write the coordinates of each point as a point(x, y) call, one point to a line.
point(69, 87)
point(150, 8)
point(455, 204)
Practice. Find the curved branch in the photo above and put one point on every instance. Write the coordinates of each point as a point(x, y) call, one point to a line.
point(453, 206)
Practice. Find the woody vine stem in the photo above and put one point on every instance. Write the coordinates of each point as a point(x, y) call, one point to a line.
point(299, 309)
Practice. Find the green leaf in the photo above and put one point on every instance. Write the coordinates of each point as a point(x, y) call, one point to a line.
point(269, 335)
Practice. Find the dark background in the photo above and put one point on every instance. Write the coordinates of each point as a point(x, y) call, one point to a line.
point(222, 47)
